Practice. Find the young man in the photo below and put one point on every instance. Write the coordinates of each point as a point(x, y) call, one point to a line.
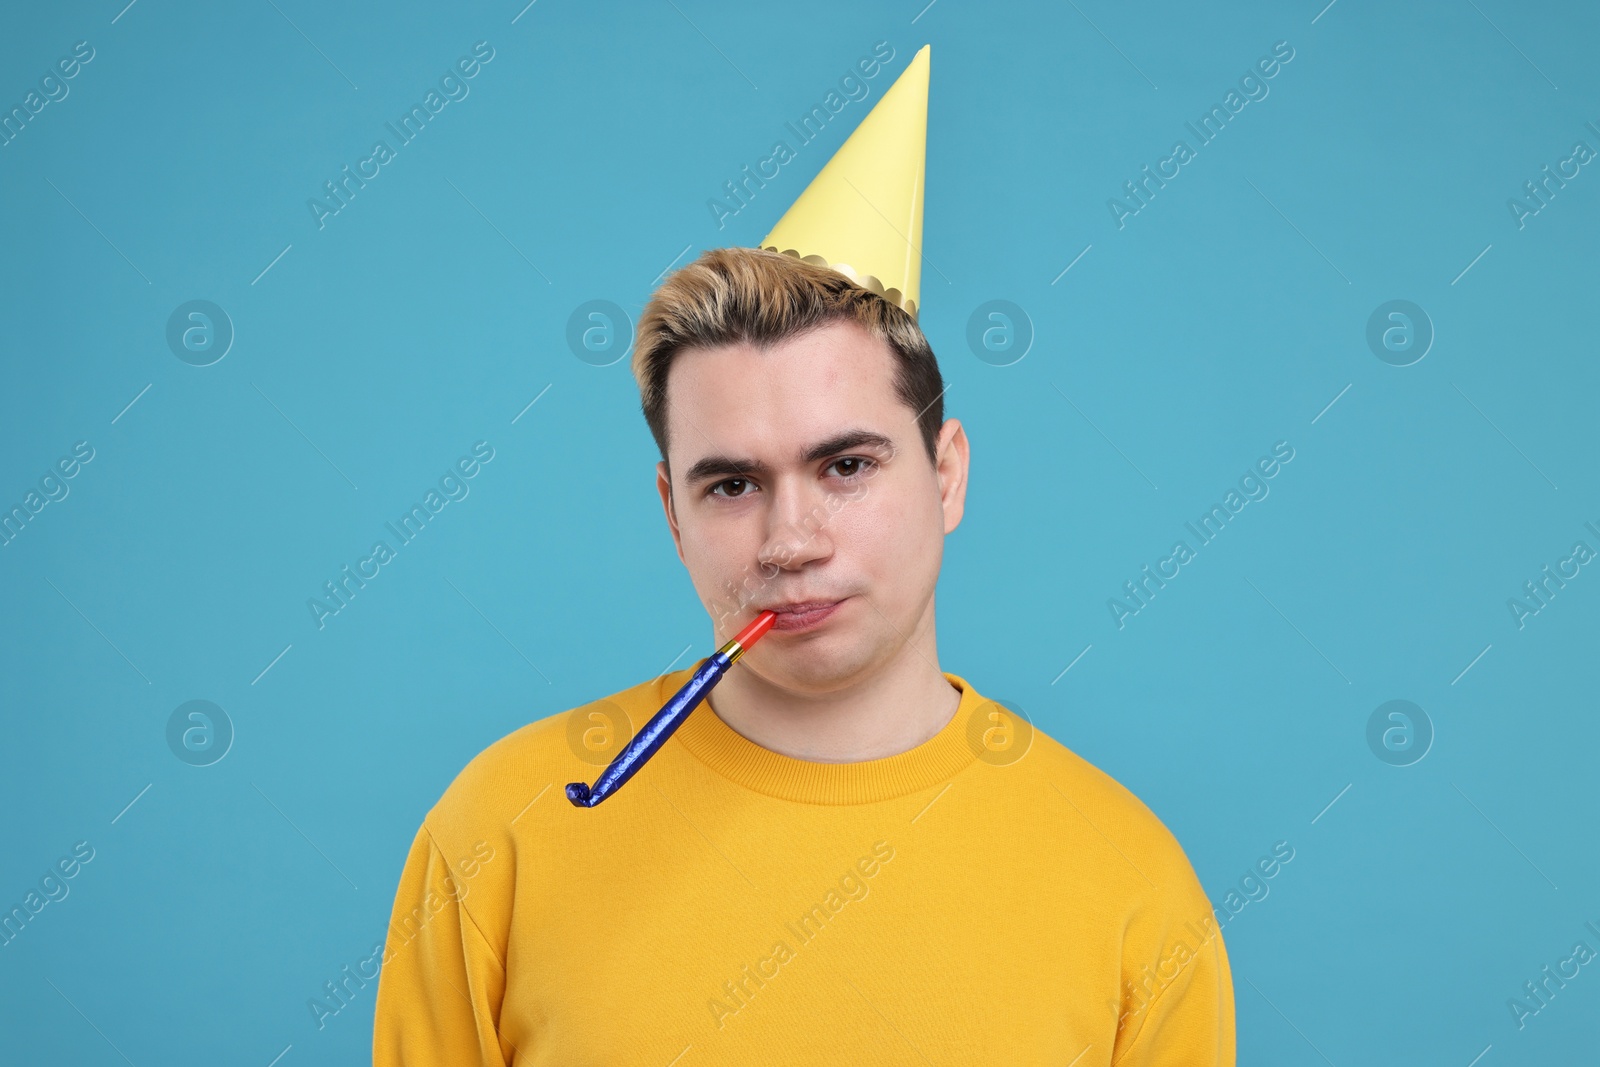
point(845, 854)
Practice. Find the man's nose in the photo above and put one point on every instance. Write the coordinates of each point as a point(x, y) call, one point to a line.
point(798, 532)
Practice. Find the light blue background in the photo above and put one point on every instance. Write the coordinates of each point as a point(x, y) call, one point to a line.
point(427, 315)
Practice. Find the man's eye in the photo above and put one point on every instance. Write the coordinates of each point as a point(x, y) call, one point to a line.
point(741, 482)
point(860, 466)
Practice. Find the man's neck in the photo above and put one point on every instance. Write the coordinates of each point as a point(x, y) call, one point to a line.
point(893, 709)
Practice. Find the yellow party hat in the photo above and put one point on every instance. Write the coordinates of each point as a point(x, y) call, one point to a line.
point(862, 214)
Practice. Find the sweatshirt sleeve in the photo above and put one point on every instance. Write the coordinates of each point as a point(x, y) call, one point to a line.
point(441, 984)
point(1189, 1021)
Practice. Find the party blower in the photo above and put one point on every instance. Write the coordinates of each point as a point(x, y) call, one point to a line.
point(655, 733)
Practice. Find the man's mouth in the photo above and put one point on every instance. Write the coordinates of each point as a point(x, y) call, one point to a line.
point(803, 615)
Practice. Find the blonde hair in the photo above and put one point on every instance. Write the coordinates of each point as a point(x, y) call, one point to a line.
point(752, 296)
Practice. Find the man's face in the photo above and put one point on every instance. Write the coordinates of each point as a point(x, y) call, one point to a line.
point(799, 476)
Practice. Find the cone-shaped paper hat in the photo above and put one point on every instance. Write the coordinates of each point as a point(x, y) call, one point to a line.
point(862, 215)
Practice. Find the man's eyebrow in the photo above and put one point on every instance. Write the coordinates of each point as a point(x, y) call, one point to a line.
point(731, 466)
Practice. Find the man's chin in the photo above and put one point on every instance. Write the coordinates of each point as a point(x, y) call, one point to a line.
point(817, 664)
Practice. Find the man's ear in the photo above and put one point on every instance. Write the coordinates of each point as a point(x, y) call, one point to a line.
point(664, 487)
point(952, 466)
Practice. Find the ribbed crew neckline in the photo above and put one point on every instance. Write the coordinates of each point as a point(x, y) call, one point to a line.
point(736, 757)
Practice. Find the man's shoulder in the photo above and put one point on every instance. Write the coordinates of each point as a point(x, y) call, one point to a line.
point(532, 764)
point(1109, 808)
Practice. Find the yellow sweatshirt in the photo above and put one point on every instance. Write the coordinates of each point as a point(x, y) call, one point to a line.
point(987, 897)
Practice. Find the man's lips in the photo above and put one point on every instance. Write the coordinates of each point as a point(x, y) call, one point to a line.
point(803, 615)
point(799, 607)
